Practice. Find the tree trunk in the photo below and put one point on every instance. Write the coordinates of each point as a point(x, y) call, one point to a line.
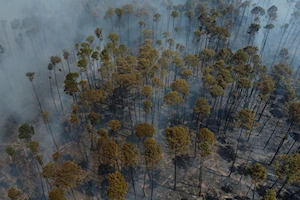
point(200, 176)
point(283, 185)
point(295, 140)
point(175, 170)
point(152, 182)
point(236, 151)
point(271, 134)
point(144, 189)
point(132, 180)
point(41, 181)
point(281, 143)
point(62, 109)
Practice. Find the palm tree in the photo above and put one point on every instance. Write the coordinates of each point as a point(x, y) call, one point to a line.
point(30, 76)
point(50, 67)
point(55, 60)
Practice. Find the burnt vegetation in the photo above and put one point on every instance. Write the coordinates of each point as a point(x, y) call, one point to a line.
point(195, 99)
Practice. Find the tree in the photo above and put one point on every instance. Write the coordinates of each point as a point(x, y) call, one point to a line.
point(67, 175)
point(54, 61)
point(174, 15)
point(119, 12)
point(110, 153)
point(71, 85)
point(244, 120)
point(128, 10)
point(190, 15)
point(114, 125)
point(129, 158)
point(287, 169)
point(270, 194)
point(156, 19)
point(258, 174)
point(153, 156)
point(144, 130)
point(94, 120)
point(294, 118)
point(57, 194)
point(117, 186)
point(172, 99)
point(11, 152)
point(66, 55)
point(206, 139)
point(178, 139)
point(252, 30)
point(50, 68)
point(109, 15)
point(30, 76)
point(26, 131)
point(13, 193)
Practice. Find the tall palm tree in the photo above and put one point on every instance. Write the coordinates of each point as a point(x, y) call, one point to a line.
point(30, 76)
point(55, 60)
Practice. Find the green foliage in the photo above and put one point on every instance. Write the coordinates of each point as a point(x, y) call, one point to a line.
point(117, 186)
point(11, 151)
point(266, 86)
point(109, 13)
point(191, 60)
point(98, 33)
point(30, 76)
point(114, 38)
point(173, 98)
point(152, 152)
point(216, 91)
point(178, 138)
point(13, 193)
point(102, 132)
point(245, 119)
point(110, 152)
point(186, 73)
point(129, 155)
point(114, 125)
point(90, 39)
point(144, 130)
point(180, 86)
point(258, 173)
point(147, 105)
point(282, 73)
point(287, 167)
point(57, 194)
point(71, 85)
point(66, 175)
point(205, 135)
point(26, 131)
point(289, 95)
point(34, 146)
point(270, 195)
point(202, 107)
point(55, 60)
point(147, 91)
point(204, 148)
point(294, 112)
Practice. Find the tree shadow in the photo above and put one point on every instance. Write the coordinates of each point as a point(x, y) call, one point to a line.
point(261, 190)
point(184, 161)
point(227, 152)
point(241, 198)
point(242, 169)
point(211, 194)
point(105, 169)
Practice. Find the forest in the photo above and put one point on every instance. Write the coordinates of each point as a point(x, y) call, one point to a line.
point(150, 99)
